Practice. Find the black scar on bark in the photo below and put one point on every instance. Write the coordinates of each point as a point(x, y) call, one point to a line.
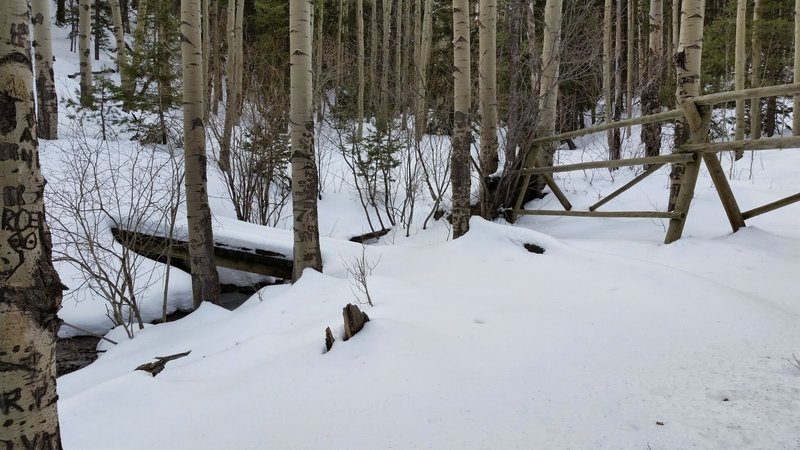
point(8, 113)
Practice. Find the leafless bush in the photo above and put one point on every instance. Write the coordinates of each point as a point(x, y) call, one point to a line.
point(360, 268)
point(101, 186)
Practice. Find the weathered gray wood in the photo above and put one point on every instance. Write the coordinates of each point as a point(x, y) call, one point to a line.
point(551, 183)
point(245, 259)
point(611, 163)
point(760, 144)
point(652, 169)
point(771, 206)
point(354, 320)
point(606, 214)
point(730, 96)
point(157, 366)
point(329, 339)
point(641, 120)
point(724, 191)
point(525, 181)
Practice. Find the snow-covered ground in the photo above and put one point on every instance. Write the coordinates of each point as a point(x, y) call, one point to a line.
point(610, 339)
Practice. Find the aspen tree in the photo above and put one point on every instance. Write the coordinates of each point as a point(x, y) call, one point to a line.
point(687, 64)
point(374, 93)
point(383, 110)
point(460, 153)
point(755, 72)
point(318, 20)
point(30, 291)
point(304, 171)
point(46, 97)
point(796, 71)
point(215, 84)
point(122, 52)
point(739, 69)
point(629, 64)
point(551, 59)
point(84, 31)
point(424, 18)
point(400, 78)
point(360, 68)
point(487, 85)
point(206, 31)
point(615, 152)
point(205, 281)
point(231, 84)
point(239, 73)
point(607, 66)
point(651, 133)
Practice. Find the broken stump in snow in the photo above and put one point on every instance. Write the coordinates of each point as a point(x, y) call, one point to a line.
point(329, 339)
point(354, 320)
point(156, 367)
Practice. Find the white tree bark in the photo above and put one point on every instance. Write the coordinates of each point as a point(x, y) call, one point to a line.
point(360, 69)
point(84, 32)
point(459, 159)
point(651, 133)
point(424, 20)
point(304, 171)
point(46, 96)
point(30, 291)
point(551, 59)
point(205, 281)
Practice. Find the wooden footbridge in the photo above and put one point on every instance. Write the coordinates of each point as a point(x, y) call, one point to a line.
point(697, 111)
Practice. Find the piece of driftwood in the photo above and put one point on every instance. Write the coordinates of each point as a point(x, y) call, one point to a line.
point(369, 236)
point(157, 366)
point(329, 339)
point(354, 320)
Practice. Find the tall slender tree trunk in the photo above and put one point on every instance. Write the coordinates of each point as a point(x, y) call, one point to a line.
point(515, 123)
point(304, 171)
point(651, 133)
point(374, 93)
point(122, 52)
point(630, 62)
point(796, 71)
point(676, 29)
point(239, 73)
point(231, 85)
point(687, 64)
point(206, 32)
point(407, 42)
point(84, 31)
point(360, 69)
point(383, 111)
point(551, 59)
point(739, 69)
point(459, 156)
point(30, 291)
point(215, 83)
point(616, 149)
point(46, 96)
point(205, 281)
point(755, 80)
point(608, 65)
point(399, 76)
point(424, 43)
point(318, 85)
point(487, 85)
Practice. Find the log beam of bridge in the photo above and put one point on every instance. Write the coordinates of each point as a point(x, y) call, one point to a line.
point(245, 259)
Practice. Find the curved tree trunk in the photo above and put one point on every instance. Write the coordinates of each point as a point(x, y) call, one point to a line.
point(459, 156)
point(84, 31)
point(304, 171)
point(487, 85)
point(46, 96)
point(30, 291)
point(205, 281)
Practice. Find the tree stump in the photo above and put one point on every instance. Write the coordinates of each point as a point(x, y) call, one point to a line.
point(354, 320)
point(329, 339)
